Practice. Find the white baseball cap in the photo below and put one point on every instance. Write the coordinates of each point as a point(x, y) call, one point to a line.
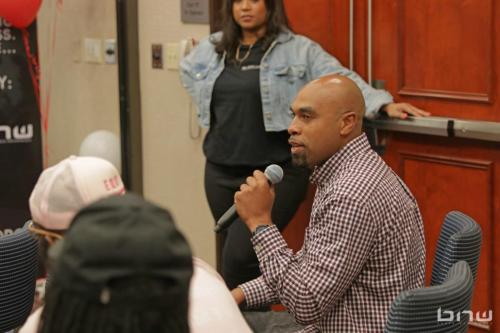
point(65, 188)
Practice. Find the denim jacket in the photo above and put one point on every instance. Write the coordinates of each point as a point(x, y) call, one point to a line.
point(289, 63)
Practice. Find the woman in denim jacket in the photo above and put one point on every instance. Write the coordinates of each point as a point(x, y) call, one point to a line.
point(243, 80)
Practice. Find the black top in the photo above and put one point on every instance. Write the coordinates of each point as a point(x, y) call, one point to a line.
point(237, 136)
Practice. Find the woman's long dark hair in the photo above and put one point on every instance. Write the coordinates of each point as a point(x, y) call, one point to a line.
point(277, 21)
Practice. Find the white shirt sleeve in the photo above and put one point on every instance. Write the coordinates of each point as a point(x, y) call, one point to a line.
point(211, 306)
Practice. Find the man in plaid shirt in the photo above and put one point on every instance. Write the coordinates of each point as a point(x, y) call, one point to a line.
point(365, 242)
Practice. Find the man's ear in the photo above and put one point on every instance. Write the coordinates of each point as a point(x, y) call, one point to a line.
point(348, 123)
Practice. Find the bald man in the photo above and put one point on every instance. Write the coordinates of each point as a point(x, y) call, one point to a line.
point(365, 242)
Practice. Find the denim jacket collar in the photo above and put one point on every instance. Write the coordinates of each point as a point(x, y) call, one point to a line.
point(284, 36)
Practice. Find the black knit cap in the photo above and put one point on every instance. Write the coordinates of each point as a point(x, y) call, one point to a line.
point(123, 238)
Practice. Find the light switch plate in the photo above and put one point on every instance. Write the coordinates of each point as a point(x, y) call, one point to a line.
point(172, 55)
point(92, 50)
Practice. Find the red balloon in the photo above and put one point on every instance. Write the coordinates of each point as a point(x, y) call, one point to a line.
point(20, 13)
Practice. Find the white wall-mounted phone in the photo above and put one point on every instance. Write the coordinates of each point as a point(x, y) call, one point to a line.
point(185, 47)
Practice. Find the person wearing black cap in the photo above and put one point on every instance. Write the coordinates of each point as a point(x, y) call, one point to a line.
point(205, 286)
point(121, 267)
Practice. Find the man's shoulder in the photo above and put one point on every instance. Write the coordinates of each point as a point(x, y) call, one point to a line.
point(360, 176)
point(376, 183)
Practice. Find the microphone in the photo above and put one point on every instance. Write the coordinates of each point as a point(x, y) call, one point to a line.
point(273, 173)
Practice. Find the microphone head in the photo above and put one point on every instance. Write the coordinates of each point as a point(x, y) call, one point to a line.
point(274, 173)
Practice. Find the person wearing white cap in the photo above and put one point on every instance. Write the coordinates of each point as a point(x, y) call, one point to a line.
point(65, 188)
point(60, 192)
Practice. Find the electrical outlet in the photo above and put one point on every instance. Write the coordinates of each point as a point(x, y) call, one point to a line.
point(157, 56)
point(172, 55)
point(92, 50)
point(110, 51)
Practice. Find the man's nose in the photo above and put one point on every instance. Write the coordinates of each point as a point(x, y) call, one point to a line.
point(293, 129)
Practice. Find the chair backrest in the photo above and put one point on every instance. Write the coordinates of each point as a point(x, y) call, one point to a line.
point(18, 270)
point(460, 239)
point(434, 309)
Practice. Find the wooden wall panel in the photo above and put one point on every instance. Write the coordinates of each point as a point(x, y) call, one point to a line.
point(324, 21)
point(436, 182)
point(454, 46)
point(454, 174)
point(478, 29)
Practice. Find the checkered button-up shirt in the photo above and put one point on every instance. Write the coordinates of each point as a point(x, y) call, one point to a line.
point(363, 246)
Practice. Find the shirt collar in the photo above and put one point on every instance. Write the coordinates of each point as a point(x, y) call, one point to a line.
point(324, 172)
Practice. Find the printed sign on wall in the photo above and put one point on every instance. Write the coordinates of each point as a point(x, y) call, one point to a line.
point(194, 11)
point(20, 132)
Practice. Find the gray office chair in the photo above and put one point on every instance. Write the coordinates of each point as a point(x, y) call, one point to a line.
point(18, 270)
point(460, 239)
point(442, 308)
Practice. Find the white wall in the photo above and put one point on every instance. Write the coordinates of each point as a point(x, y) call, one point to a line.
point(83, 96)
point(173, 162)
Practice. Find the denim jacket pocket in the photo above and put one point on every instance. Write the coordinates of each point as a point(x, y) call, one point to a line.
point(291, 72)
point(290, 79)
point(281, 70)
point(298, 71)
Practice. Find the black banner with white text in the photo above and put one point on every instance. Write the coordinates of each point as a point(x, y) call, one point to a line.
point(20, 130)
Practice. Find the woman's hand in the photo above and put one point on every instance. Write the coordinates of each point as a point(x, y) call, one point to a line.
point(403, 110)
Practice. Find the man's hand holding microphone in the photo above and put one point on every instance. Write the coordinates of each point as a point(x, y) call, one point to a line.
point(254, 202)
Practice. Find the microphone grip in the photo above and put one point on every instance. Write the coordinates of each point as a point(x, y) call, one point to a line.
point(273, 173)
point(225, 220)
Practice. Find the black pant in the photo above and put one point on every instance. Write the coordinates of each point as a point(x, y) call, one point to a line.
point(239, 262)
